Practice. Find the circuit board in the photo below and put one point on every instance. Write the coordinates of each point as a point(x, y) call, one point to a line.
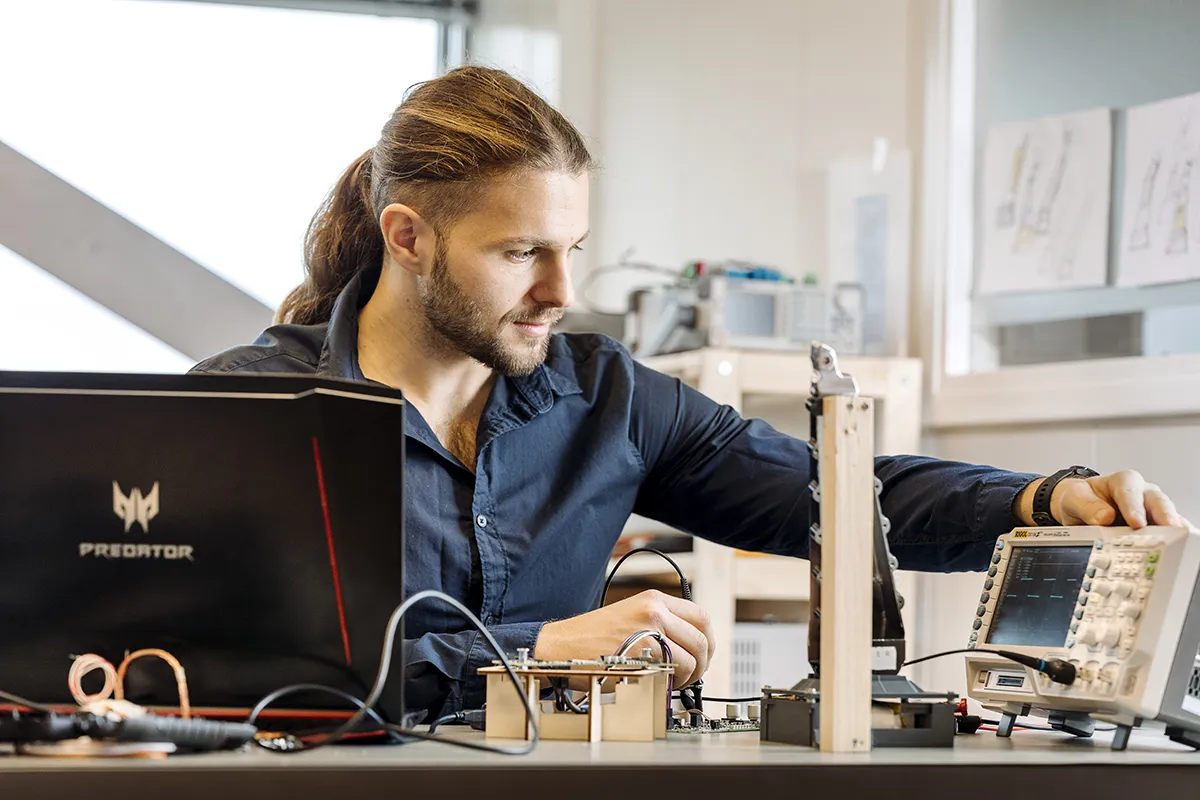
point(713, 726)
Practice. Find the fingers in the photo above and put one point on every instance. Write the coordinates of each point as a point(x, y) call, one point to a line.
point(696, 616)
point(685, 664)
point(687, 638)
point(1128, 490)
point(1160, 508)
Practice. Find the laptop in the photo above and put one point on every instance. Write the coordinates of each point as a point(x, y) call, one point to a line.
point(251, 526)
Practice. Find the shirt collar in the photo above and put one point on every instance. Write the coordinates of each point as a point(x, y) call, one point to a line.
point(339, 353)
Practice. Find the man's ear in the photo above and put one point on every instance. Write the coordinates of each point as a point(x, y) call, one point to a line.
point(410, 240)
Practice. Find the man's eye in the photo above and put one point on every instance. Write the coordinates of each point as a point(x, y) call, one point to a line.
point(577, 248)
point(522, 255)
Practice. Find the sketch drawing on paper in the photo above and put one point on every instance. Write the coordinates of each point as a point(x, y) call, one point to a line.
point(1160, 210)
point(1046, 187)
point(1139, 239)
point(1006, 212)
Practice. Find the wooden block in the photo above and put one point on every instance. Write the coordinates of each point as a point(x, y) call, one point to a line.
point(660, 706)
point(630, 718)
point(564, 726)
point(506, 715)
point(847, 527)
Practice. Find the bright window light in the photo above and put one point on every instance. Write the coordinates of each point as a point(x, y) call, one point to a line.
point(216, 128)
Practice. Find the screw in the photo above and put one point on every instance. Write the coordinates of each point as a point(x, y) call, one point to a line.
point(522, 655)
point(864, 405)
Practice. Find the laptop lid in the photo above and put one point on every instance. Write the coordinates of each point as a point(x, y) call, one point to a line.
point(253, 526)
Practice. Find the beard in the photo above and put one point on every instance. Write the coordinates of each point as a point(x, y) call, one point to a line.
point(460, 321)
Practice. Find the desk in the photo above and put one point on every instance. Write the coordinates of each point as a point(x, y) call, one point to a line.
point(1048, 764)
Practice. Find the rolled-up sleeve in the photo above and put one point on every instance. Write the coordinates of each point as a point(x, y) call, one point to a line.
point(742, 483)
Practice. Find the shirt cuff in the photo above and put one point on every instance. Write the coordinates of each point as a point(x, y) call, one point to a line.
point(995, 508)
point(510, 636)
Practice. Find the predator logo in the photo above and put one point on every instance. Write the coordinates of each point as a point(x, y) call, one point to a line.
point(135, 507)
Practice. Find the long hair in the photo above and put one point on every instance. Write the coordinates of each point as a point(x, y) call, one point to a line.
point(470, 125)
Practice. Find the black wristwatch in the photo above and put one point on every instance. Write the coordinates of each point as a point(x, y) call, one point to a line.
point(1041, 498)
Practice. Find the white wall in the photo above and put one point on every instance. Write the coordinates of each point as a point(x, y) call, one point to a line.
point(714, 123)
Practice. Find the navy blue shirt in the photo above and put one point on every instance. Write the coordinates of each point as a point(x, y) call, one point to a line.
point(566, 454)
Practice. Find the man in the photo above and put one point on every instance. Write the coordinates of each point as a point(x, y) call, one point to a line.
point(438, 265)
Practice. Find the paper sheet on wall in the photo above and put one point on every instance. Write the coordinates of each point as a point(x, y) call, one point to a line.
point(1160, 205)
point(1046, 188)
point(869, 224)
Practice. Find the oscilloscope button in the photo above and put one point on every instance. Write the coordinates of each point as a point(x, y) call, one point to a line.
point(989, 583)
point(996, 558)
point(1101, 562)
point(991, 572)
point(1130, 609)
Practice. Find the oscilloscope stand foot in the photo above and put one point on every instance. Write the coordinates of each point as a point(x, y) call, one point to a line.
point(1182, 736)
point(1007, 720)
point(1120, 738)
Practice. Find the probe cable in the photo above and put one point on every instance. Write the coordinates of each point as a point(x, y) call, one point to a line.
point(1058, 670)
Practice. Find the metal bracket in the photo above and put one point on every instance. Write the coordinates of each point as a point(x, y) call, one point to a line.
point(827, 379)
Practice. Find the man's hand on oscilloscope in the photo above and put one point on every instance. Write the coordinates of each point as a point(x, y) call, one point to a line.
point(1109, 499)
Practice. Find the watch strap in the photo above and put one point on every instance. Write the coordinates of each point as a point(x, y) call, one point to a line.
point(1041, 497)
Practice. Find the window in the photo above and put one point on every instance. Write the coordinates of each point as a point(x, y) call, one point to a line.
point(1001, 355)
point(216, 128)
point(48, 325)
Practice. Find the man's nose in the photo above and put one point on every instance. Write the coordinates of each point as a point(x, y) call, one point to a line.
point(555, 287)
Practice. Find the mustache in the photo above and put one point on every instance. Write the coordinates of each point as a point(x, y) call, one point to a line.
point(550, 318)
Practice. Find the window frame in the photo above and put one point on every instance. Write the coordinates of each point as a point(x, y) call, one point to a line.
point(1111, 388)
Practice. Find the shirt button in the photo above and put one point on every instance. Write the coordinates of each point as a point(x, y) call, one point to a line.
point(481, 521)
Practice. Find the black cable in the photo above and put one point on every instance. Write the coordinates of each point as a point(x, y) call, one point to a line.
point(1058, 670)
point(684, 586)
point(21, 701)
point(458, 716)
point(690, 700)
point(1100, 729)
point(381, 677)
point(317, 687)
point(731, 699)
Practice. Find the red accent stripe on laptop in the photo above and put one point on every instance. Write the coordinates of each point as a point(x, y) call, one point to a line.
point(337, 583)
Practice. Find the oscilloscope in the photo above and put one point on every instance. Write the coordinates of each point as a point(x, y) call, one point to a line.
point(1119, 604)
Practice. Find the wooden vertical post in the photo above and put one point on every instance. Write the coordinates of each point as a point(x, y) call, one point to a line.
point(847, 481)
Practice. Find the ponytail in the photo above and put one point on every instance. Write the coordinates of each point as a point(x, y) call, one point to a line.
point(342, 237)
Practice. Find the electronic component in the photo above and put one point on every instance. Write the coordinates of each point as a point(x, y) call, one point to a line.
point(1117, 604)
point(734, 309)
